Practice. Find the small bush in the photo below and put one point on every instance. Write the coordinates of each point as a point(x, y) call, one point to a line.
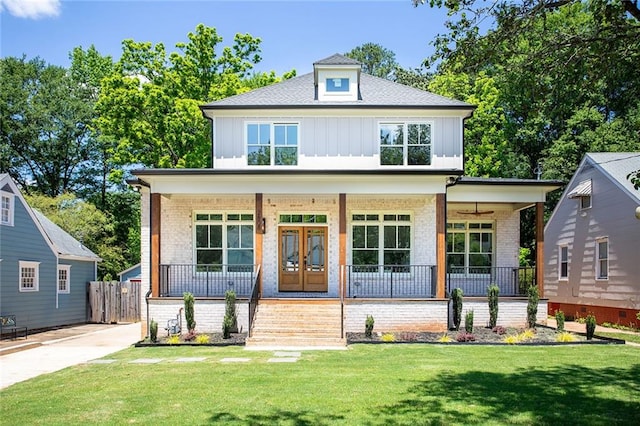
point(493, 293)
point(408, 336)
point(368, 326)
point(465, 337)
point(638, 315)
point(153, 331)
point(456, 297)
point(533, 298)
point(511, 340)
point(445, 338)
point(227, 323)
point(528, 334)
point(230, 309)
point(388, 337)
point(189, 314)
point(590, 322)
point(499, 330)
point(173, 339)
point(565, 337)
point(468, 321)
point(560, 320)
point(202, 339)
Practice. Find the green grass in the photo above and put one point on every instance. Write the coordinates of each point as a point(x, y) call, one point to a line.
point(366, 385)
point(629, 337)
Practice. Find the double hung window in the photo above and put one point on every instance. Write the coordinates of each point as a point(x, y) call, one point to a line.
point(223, 239)
point(602, 267)
point(6, 209)
point(272, 144)
point(563, 262)
point(29, 276)
point(470, 247)
point(405, 144)
point(63, 278)
point(380, 239)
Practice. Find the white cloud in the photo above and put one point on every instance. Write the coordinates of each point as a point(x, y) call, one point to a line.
point(31, 9)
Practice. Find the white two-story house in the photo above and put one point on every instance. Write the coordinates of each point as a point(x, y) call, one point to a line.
point(340, 189)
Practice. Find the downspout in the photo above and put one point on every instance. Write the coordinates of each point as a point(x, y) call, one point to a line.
point(146, 299)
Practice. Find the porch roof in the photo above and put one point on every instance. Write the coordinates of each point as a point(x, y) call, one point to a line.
point(520, 192)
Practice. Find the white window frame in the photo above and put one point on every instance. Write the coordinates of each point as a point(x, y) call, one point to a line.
point(563, 261)
point(272, 142)
point(583, 205)
point(66, 289)
point(7, 211)
point(600, 274)
point(467, 240)
point(405, 142)
point(24, 265)
point(381, 223)
point(224, 222)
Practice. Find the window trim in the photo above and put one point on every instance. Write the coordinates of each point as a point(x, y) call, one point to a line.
point(582, 199)
point(562, 262)
point(493, 230)
point(381, 223)
point(67, 289)
point(341, 89)
point(11, 210)
point(272, 142)
point(26, 264)
point(224, 222)
point(405, 142)
point(599, 260)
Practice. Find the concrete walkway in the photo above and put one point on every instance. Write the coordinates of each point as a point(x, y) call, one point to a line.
point(47, 352)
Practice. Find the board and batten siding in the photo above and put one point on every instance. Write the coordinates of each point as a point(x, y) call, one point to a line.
point(24, 242)
point(337, 142)
point(612, 216)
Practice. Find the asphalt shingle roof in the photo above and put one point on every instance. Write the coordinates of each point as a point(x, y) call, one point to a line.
point(618, 165)
point(64, 243)
point(337, 59)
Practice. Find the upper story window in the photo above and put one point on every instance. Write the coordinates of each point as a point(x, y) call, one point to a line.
point(563, 261)
point(337, 84)
point(6, 208)
point(64, 272)
point(223, 239)
point(602, 267)
point(272, 144)
point(405, 144)
point(585, 202)
point(29, 276)
point(582, 191)
point(470, 247)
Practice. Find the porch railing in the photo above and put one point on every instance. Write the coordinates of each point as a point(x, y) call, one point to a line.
point(207, 280)
point(390, 281)
point(474, 281)
point(253, 300)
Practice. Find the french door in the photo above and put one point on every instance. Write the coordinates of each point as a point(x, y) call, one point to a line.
point(302, 258)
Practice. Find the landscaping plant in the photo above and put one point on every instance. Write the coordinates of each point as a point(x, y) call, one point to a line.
point(230, 309)
point(368, 326)
point(560, 321)
point(493, 292)
point(189, 314)
point(532, 305)
point(590, 322)
point(153, 331)
point(468, 322)
point(227, 323)
point(456, 297)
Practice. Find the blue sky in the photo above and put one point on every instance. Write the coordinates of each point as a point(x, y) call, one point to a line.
point(294, 33)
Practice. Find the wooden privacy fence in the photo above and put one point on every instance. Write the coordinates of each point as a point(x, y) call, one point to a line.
point(112, 301)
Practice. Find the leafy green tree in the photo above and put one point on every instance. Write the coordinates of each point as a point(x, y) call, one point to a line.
point(376, 60)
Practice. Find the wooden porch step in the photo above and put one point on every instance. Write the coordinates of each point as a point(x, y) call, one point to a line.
point(286, 322)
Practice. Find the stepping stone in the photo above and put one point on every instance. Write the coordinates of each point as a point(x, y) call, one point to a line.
point(282, 360)
point(102, 361)
point(235, 360)
point(288, 354)
point(195, 359)
point(146, 361)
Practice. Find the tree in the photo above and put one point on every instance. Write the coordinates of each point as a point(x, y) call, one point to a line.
point(376, 60)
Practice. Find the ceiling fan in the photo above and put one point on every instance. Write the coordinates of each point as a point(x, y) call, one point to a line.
point(476, 212)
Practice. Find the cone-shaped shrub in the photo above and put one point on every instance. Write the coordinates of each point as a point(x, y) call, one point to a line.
point(559, 321)
point(532, 305)
point(456, 297)
point(189, 314)
point(590, 322)
point(368, 326)
point(493, 293)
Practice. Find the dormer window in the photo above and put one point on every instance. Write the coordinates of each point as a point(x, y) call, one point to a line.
point(337, 85)
point(583, 193)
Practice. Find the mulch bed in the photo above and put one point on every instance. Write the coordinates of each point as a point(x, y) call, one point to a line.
point(215, 339)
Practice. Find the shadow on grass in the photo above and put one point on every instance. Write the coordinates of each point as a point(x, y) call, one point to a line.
point(574, 394)
point(297, 418)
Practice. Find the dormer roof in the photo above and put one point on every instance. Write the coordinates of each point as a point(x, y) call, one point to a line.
point(338, 59)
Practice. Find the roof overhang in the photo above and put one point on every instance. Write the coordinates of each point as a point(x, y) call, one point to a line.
point(520, 192)
point(583, 189)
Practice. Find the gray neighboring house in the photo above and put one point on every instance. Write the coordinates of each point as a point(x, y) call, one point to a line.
point(592, 263)
point(43, 270)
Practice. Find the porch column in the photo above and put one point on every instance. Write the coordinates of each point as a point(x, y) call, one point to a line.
point(342, 252)
point(260, 230)
point(540, 248)
point(441, 247)
point(155, 244)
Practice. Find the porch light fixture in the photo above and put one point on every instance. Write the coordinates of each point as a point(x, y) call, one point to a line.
point(638, 212)
point(263, 225)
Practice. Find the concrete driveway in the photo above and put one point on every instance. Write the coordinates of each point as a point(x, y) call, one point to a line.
point(47, 352)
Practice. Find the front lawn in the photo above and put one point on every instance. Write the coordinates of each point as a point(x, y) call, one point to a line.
point(367, 384)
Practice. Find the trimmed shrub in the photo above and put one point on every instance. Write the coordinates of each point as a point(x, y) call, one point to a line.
point(388, 337)
point(468, 322)
point(456, 297)
point(499, 330)
point(203, 339)
point(564, 336)
point(368, 326)
point(465, 337)
point(493, 293)
point(590, 322)
point(445, 338)
point(532, 305)
point(230, 309)
point(560, 321)
point(227, 323)
point(153, 331)
point(189, 314)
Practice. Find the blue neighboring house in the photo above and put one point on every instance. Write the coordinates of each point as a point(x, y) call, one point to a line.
point(44, 271)
point(132, 274)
